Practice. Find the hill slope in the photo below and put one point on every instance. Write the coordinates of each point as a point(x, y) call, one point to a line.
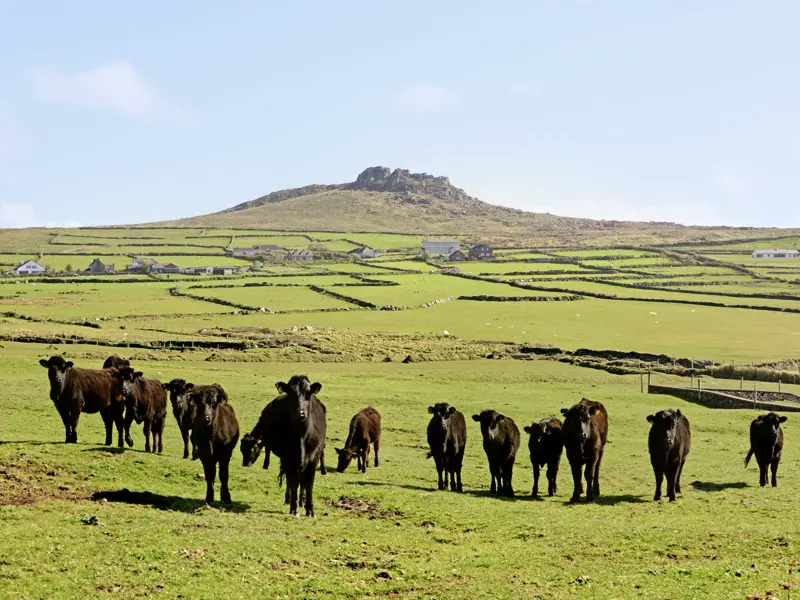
point(386, 201)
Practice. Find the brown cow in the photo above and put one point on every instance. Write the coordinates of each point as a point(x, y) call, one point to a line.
point(116, 362)
point(546, 445)
point(146, 401)
point(500, 442)
point(766, 442)
point(447, 439)
point(585, 435)
point(75, 390)
point(365, 429)
point(182, 409)
point(215, 432)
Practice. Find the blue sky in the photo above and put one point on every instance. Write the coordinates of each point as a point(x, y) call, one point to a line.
point(672, 110)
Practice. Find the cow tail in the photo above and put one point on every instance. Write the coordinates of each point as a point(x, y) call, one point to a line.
point(749, 456)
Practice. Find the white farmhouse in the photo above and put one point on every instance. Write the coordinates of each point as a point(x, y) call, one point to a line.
point(777, 253)
point(29, 267)
point(439, 246)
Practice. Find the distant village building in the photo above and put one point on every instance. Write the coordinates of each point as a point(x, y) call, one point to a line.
point(542, 259)
point(777, 253)
point(439, 246)
point(29, 267)
point(97, 267)
point(256, 251)
point(300, 255)
point(481, 252)
point(222, 270)
point(167, 269)
point(365, 252)
point(457, 256)
point(199, 271)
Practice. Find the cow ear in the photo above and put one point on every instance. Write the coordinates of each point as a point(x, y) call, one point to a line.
point(476, 418)
point(44, 363)
point(316, 387)
point(137, 374)
point(69, 364)
point(527, 429)
point(782, 419)
point(499, 419)
point(564, 411)
point(678, 413)
point(430, 409)
point(188, 386)
point(339, 451)
point(165, 386)
point(452, 410)
point(592, 410)
point(281, 387)
point(651, 418)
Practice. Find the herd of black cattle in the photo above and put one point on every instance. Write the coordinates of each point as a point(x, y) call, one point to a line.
point(293, 426)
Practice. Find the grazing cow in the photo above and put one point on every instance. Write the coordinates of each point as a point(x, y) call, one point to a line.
point(146, 402)
point(669, 443)
point(365, 429)
point(75, 390)
point(182, 409)
point(215, 432)
point(766, 442)
point(267, 435)
point(500, 442)
point(546, 445)
point(585, 435)
point(116, 362)
point(447, 438)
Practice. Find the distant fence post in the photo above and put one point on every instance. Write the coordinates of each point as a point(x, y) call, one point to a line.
point(755, 393)
point(649, 379)
point(699, 389)
point(641, 383)
point(779, 386)
point(692, 382)
point(741, 384)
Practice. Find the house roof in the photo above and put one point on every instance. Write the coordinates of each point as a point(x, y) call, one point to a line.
point(359, 250)
point(776, 250)
point(434, 240)
point(28, 262)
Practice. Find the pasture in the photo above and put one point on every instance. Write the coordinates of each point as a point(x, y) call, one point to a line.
point(388, 533)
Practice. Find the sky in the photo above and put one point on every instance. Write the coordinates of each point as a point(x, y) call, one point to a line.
point(665, 110)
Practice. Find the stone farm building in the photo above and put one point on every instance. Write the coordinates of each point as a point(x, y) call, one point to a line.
point(777, 253)
point(365, 252)
point(300, 255)
point(97, 267)
point(29, 267)
point(457, 256)
point(254, 251)
point(481, 252)
point(167, 269)
point(439, 246)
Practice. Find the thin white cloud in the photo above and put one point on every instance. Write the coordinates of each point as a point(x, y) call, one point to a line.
point(116, 86)
point(530, 91)
point(420, 99)
point(730, 181)
point(16, 216)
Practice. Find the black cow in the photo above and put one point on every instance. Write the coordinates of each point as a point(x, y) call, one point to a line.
point(365, 429)
point(215, 432)
point(500, 442)
point(585, 436)
point(669, 442)
point(183, 409)
point(146, 402)
point(307, 428)
point(75, 390)
point(546, 445)
point(447, 438)
point(766, 442)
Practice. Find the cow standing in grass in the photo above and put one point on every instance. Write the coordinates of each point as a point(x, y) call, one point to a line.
point(766, 442)
point(669, 443)
point(546, 444)
point(116, 362)
point(215, 432)
point(500, 442)
point(585, 436)
point(145, 402)
point(447, 439)
point(74, 390)
point(182, 409)
point(365, 429)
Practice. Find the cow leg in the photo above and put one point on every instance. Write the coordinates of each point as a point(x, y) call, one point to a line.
point(763, 477)
point(146, 428)
point(672, 475)
point(589, 475)
point(774, 467)
point(267, 452)
point(108, 422)
point(659, 473)
point(365, 458)
point(508, 474)
point(376, 445)
point(439, 466)
point(292, 482)
point(65, 419)
point(457, 461)
point(73, 423)
point(210, 471)
point(128, 423)
point(161, 426)
point(596, 481)
point(224, 492)
point(678, 478)
point(322, 469)
point(577, 482)
point(495, 471)
point(446, 470)
point(185, 436)
point(119, 423)
point(308, 488)
point(552, 478)
point(535, 490)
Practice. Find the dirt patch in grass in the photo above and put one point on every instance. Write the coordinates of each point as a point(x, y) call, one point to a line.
point(363, 507)
point(23, 482)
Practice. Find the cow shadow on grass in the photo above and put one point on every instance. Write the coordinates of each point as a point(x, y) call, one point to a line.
point(30, 443)
point(115, 450)
point(405, 486)
point(712, 486)
point(161, 502)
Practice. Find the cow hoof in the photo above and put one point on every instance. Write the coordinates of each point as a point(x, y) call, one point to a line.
point(129, 441)
point(672, 498)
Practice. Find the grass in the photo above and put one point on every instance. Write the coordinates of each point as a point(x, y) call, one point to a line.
point(410, 540)
point(275, 298)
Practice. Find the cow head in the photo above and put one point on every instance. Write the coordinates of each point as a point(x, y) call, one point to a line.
point(301, 392)
point(178, 394)
point(251, 449)
point(537, 431)
point(772, 420)
point(126, 380)
point(490, 423)
point(345, 456)
point(442, 412)
point(205, 400)
point(57, 369)
point(578, 420)
point(665, 422)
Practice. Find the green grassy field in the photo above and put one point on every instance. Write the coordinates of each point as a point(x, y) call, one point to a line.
point(387, 533)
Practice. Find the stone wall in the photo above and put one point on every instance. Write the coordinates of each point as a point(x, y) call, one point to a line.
point(718, 399)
